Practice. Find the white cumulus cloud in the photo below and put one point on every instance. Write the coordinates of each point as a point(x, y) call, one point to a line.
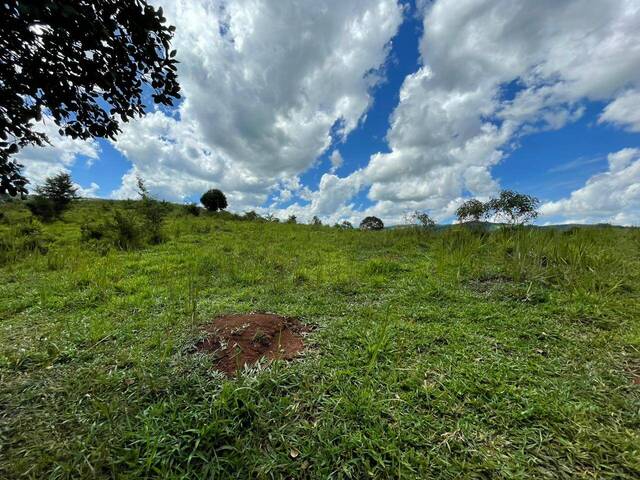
point(265, 85)
point(612, 196)
point(492, 71)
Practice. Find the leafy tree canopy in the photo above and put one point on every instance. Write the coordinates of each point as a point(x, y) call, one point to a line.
point(514, 208)
point(471, 211)
point(214, 200)
point(371, 223)
point(83, 63)
point(59, 189)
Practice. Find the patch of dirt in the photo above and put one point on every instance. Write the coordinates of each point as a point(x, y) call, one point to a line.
point(236, 340)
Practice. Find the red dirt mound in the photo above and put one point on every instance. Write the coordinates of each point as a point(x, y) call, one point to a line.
point(236, 340)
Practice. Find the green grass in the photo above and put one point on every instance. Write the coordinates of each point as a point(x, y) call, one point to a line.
point(436, 355)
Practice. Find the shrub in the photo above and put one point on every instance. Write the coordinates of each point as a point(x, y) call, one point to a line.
point(127, 233)
point(214, 200)
point(344, 225)
point(252, 216)
point(26, 237)
point(192, 209)
point(371, 223)
point(93, 231)
point(42, 207)
point(122, 231)
point(153, 212)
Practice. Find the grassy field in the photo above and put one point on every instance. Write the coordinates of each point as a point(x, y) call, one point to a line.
point(453, 354)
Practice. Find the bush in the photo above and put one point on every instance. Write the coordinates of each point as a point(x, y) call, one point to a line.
point(26, 237)
point(153, 213)
point(371, 223)
point(252, 216)
point(292, 219)
point(344, 225)
point(42, 207)
point(128, 234)
point(192, 209)
point(214, 200)
point(122, 231)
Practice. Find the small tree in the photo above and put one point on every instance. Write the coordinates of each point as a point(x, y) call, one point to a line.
point(371, 223)
point(214, 200)
point(471, 211)
point(192, 209)
point(59, 189)
point(315, 221)
point(514, 208)
point(292, 219)
point(420, 219)
point(345, 225)
point(53, 196)
point(153, 213)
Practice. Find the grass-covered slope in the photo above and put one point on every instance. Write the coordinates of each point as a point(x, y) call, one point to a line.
point(443, 355)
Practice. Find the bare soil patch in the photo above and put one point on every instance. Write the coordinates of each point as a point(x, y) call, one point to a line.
point(236, 340)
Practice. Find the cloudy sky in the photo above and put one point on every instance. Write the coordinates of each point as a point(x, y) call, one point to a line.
point(348, 108)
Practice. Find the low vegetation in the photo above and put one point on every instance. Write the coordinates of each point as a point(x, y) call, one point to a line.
point(433, 353)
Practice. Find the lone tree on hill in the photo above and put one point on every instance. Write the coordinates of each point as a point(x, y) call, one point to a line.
point(471, 211)
point(52, 197)
point(214, 200)
point(514, 208)
point(59, 189)
point(371, 223)
point(83, 63)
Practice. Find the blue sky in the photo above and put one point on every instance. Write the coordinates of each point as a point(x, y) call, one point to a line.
point(427, 105)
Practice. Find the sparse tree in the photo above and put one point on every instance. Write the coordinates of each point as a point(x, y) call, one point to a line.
point(87, 64)
point(271, 218)
point(371, 223)
point(420, 219)
point(315, 221)
point(292, 219)
point(153, 212)
point(345, 225)
point(514, 208)
point(214, 200)
point(471, 211)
